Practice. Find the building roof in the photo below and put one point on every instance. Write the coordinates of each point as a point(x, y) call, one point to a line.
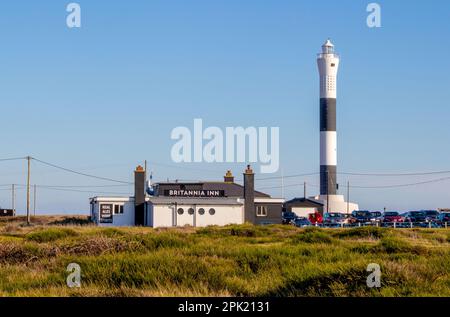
point(303, 201)
point(231, 189)
point(161, 200)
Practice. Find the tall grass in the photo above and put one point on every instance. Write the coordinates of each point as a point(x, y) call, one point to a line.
point(223, 261)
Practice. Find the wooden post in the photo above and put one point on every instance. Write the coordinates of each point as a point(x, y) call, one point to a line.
point(13, 203)
point(28, 191)
point(34, 200)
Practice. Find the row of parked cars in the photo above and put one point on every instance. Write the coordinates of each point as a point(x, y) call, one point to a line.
point(423, 218)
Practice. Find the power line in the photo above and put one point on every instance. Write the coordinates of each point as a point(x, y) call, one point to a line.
point(12, 159)
point(80, 173)
point(404, 185)
point(395, 174)
point(371, 187)
point(84, 191)
point(291, 185)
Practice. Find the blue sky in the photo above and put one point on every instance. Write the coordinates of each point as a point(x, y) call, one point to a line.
point(105, 97)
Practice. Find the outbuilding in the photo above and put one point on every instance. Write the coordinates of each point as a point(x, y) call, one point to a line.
point(303, 207)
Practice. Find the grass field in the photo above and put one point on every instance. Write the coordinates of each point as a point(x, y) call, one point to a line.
point(220, 261)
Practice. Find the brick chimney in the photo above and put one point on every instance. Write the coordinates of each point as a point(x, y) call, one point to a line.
point(139, 196)
point(228, 178)
point(249, 196)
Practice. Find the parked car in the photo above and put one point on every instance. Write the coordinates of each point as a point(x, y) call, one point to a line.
point(288, 217)
point(361, 216)
point(415, 216)
point(392, 216)
point(301, 222)
point(333, 218)
point(376, 216)
point(444, 217)
point(315, 218)
point(431, 215)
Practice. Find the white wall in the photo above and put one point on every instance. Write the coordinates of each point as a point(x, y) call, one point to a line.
point(125, 219)
point(303, 211)
point(163, 216)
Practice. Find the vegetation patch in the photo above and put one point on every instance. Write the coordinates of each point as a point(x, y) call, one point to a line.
point(362, 233)
point(235, 260)
point(50, 234)
point(313, 236)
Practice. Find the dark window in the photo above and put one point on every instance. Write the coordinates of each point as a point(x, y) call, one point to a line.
point(191, 211)
point(201, 211)
point(332, 65)
point(212, 211)
point(180, 211)
point(261, 211)
point(118, 209)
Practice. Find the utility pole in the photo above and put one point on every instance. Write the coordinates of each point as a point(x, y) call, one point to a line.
point(13, 203)
point(304, 190)
point(282, 184)
point(348, 197)
point(34, 200)
point(28, 191)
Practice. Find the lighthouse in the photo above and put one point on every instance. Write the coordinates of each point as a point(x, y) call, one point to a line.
point(328, 65)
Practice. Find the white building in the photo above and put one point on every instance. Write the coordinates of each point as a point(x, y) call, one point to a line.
point(196, 204)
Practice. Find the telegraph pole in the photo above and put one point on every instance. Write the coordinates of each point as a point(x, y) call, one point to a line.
point(348, 196)
point(34, 200)
point(13, 203)
point(304, 190)
point(28, 191)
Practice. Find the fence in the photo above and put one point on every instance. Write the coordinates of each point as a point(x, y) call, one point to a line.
point(407, 224)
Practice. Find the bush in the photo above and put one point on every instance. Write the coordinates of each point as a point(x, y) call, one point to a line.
point(246, 230)
point(313, 236)
point(52, 234)
point(362, 232)
point(394, 245)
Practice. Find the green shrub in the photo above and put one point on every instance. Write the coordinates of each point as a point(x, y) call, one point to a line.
point(395, 245)
point(51, 234)
point(162, 241)
point(362, 232)
point(313, 236)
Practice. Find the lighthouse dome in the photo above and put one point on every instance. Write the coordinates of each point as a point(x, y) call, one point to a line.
point(328, 47)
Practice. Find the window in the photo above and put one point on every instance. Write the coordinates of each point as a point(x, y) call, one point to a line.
point(332, 64)
point(261, 211)
point(180, 211)
point(191, 211)
point(212, 211)
point(118, 209)
point(201, 211)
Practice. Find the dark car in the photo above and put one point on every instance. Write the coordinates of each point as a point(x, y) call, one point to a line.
point(431, 215)
point(301, 222)
point(444, 217)
point(376, 216)
point(288, 217)
point(361, 216)
point(415, 216)
point(392, 216)
point(333, 218)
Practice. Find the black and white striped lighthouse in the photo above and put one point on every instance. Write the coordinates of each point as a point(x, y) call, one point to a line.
point(328, 63)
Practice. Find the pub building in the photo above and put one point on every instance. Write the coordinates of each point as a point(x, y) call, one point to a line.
point(196, 204)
